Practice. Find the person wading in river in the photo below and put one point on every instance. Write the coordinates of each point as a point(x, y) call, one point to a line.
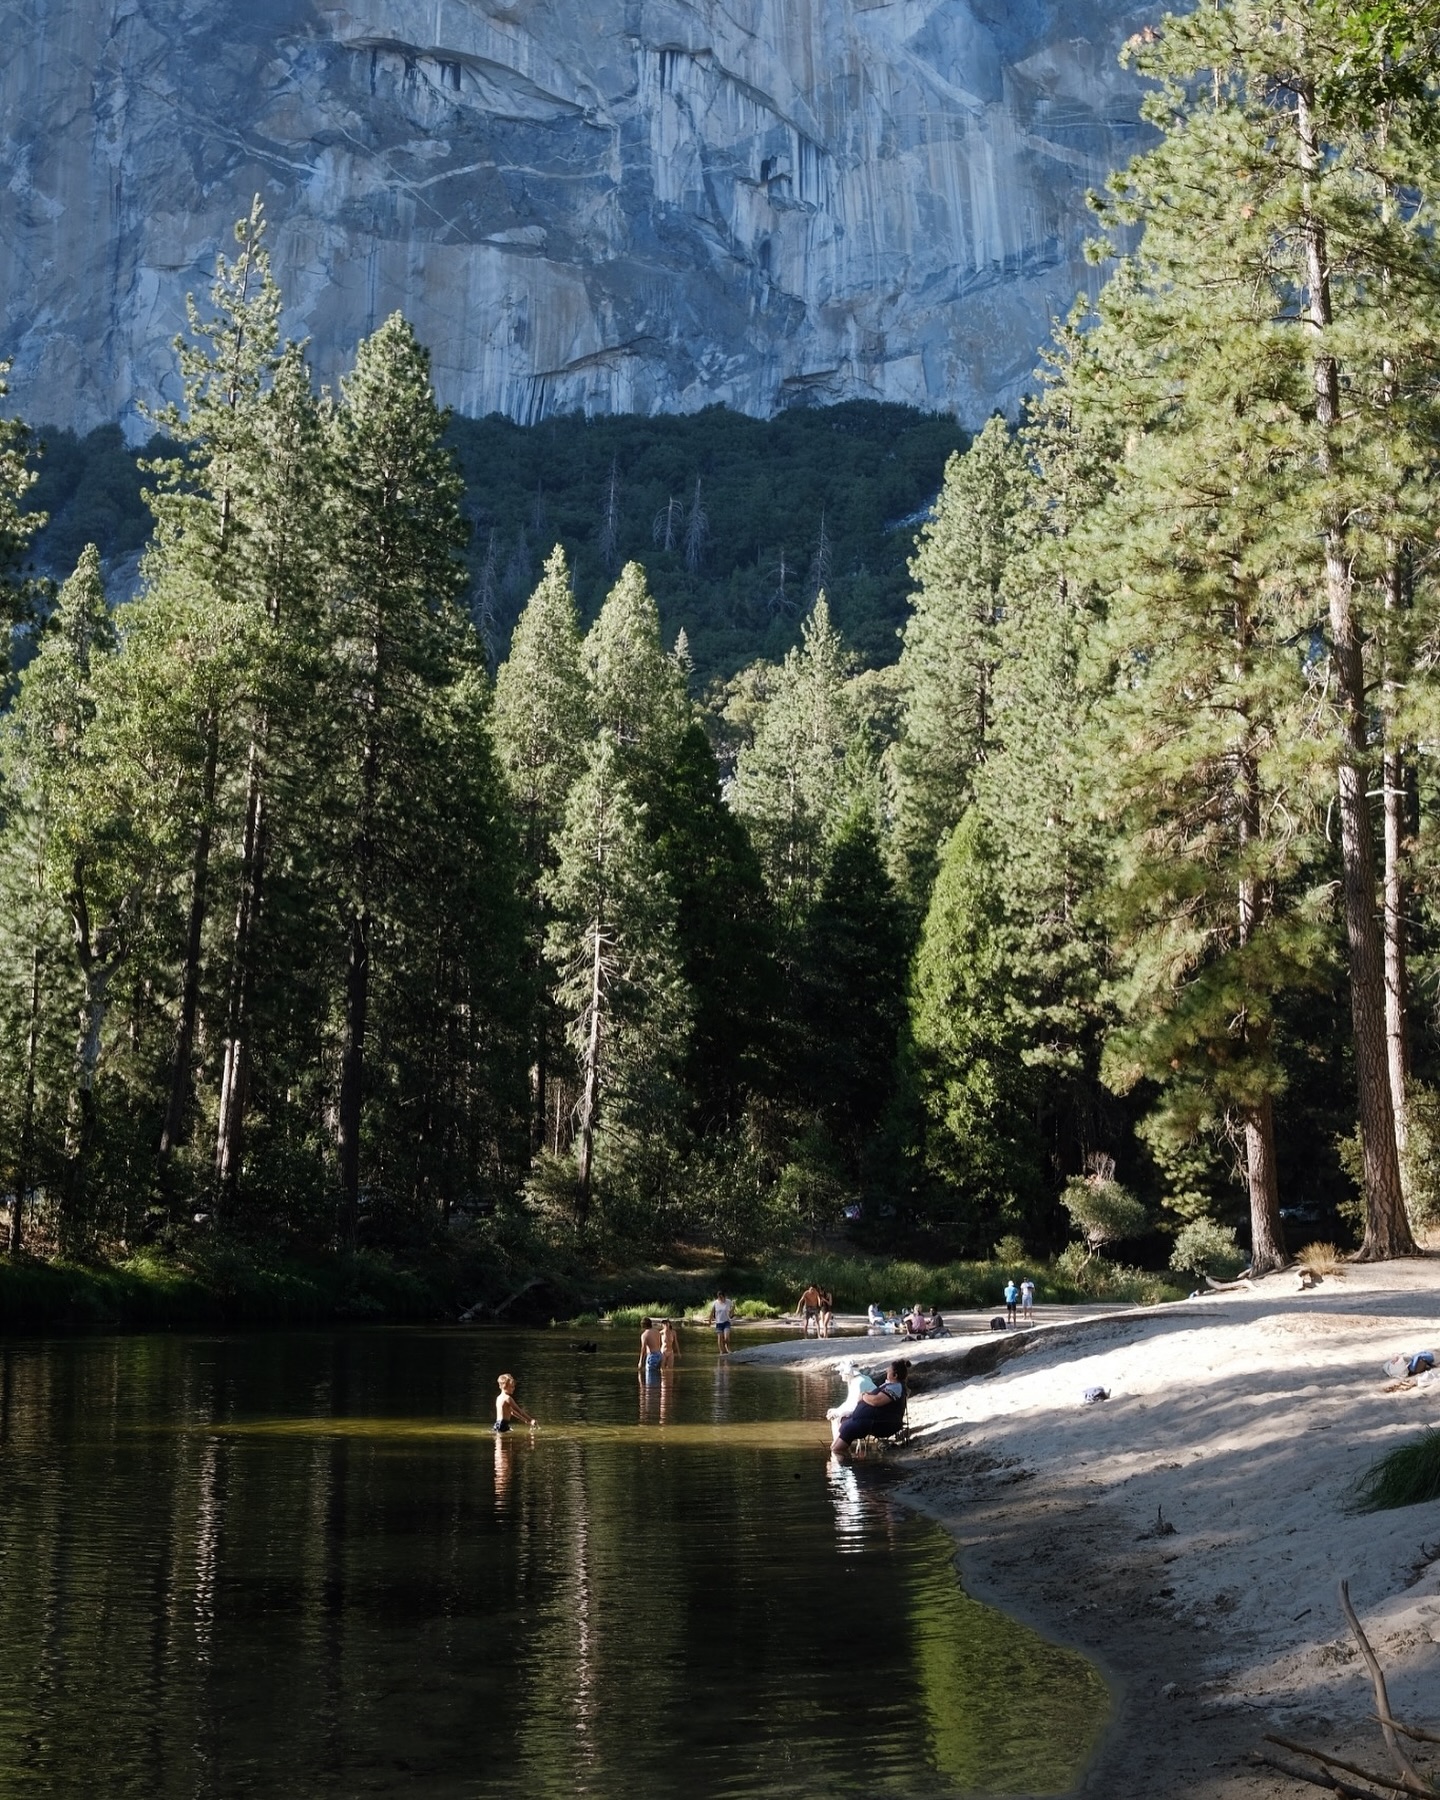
point(508, 1408)
point(669, 1343)
point(808, 1308)
point(721, 1312)
point(652, 1351)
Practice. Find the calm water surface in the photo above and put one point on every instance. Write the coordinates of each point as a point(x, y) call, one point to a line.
point(300, 1564)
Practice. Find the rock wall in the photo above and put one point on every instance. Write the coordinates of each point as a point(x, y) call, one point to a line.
point(634, 205)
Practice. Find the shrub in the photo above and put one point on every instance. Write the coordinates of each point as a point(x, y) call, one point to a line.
point(1010, 1249)
point(1202, 1247)
point(1103, 1211)
point(1404, 1476)
point(1420, 1165)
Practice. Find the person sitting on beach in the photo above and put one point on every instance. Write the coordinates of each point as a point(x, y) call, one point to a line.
point(917, 1325)
point(652, 1351)
point(875, 1317)
point(508, 1408)
point(879, 1414)
point(858, 1383)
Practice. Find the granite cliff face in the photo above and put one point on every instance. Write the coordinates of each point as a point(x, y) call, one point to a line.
point(632, 205)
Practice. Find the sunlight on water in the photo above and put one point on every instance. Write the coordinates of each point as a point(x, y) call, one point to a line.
point(302, 1564)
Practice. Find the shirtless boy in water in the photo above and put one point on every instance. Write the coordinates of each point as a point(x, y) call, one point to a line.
point(652, 1351)
point(508, 1408)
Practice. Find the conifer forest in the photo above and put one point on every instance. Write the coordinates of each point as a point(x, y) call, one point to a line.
point(663, 846)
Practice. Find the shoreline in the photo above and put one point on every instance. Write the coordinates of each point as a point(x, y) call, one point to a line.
point(1188, 1533)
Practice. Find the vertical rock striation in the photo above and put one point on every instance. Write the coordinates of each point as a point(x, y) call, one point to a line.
point(633, 205)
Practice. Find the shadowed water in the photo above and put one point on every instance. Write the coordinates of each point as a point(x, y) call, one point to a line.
point(301, 1564)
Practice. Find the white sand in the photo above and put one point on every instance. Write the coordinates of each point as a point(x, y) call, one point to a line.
point(1244, 1420)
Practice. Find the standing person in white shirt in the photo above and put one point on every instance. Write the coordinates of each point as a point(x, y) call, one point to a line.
point(721, 1313)
point(1027, 1300)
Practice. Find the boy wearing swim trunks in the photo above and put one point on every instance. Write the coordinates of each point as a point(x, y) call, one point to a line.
point(507, 1408)
point(652, 1352)
point(721, 1313)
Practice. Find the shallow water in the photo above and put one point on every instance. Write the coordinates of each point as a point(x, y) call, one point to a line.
point(300, 1564)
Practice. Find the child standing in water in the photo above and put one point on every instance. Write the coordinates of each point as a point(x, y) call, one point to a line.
point(508, 1408)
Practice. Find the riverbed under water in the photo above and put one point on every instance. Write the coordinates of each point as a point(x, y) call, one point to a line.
point(300, 1563)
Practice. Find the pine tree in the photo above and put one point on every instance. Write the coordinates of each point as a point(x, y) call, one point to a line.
point(542, 726)
point(637, 692)
point(1290, 134)
point(621, 986)
point(47, 980)
point(968, 1040)
point(852, 991)
point(195, 601)
point(400, 639)
point(280, 553)
point(17, 526)
point(793, 784)
point(947, 666)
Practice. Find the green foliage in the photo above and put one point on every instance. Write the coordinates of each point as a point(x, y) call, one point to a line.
point(951, 648)
point(1408, 1475)
point(1103, 1211)
point(857, 476)
point(1204, 1248)
point(1420, 1160)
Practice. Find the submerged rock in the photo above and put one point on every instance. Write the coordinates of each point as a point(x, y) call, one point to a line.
point(618, 205)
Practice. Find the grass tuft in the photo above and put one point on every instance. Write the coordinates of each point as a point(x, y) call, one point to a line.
point(1321, 1259)
point(1404, 1476)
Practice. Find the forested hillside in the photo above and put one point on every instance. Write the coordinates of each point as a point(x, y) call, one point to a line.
point(739, 521)
point(1107, 911)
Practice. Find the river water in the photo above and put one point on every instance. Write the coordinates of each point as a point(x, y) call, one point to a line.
point(294, 1564)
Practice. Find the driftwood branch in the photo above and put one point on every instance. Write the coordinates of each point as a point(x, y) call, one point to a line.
point(1413, 1731)
point(1412, 1782)
point(1320, 1778)
point(1335, 1762)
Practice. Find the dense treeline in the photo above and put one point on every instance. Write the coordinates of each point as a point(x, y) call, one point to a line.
point(739, 521)
point(1119, 883)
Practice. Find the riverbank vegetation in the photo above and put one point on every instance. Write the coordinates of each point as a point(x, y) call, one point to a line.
point(1111, 902)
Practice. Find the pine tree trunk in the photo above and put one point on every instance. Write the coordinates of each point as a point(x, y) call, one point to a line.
point(1267, 1234)
point(357, 977)
point(590, 1089)
point(234, 1079)
point(1396, 982)
point(24, 1175)
point(172, 1129)
point(80, 1123)
point(1394, 781)
point(1387, 1228)
point(352, 1070)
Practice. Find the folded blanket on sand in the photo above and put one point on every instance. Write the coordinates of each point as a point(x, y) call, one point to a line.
point(1410, 1362)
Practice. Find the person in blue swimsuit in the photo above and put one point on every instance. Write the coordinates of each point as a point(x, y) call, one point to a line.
point(652, 1352)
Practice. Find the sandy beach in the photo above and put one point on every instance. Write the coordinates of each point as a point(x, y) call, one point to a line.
point(1189, 1532)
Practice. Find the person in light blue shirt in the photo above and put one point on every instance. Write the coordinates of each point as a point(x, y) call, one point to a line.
point(1012, 1298)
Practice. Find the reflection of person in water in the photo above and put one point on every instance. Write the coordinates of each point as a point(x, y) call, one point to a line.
point(503, 1471)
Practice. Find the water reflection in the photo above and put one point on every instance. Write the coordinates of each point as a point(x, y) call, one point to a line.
point(289, 1565)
